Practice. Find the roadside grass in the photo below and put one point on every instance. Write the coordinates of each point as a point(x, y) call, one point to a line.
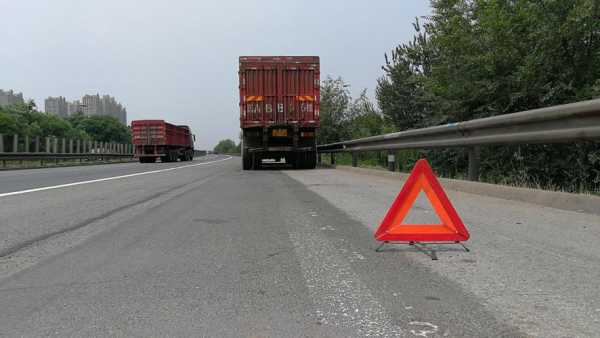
point(406, 159)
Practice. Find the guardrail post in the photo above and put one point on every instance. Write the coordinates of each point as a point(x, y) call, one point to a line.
point(15, 143)
point(79, 146)
point(47, 148)
point(55, 146)
point(474, 163)
point(26, 145)
point(332, 158)
point(354, 159)
point(2, 148)
point(70, 146)
point(391, 160)
point(37, 144)
point(63, 145)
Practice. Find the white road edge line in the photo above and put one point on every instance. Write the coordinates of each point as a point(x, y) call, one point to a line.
point(108, 178)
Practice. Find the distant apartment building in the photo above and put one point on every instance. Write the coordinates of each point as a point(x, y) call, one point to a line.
point(57, 106)
point(111, 107)
point(105, 106)
point(91, 105)
point(74, 107)
point(9, 97)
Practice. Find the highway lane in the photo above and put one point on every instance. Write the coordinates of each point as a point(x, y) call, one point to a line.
point(16, 180)
point(214, 251)
point(536, 267)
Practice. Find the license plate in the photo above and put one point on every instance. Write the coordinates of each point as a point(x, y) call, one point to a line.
point(280, 132)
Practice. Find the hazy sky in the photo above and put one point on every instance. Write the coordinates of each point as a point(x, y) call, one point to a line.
point(177, 60)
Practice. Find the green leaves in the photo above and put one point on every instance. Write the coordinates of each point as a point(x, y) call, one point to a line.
point(479, 58)
point(102, 128)
point(343, 118)
point(24, 119)
point(227, 147)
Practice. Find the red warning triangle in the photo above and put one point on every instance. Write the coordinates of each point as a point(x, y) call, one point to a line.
point(392, 227)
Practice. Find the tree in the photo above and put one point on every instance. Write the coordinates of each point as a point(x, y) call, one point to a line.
point(226, 146)
point(102, 128)
point(343, 118)
point(24, 119)
point(363, 118)
point(335, 100)
point(479, 58)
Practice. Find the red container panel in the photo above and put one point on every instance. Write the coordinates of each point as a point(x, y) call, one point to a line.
point(159, 132)
point(279, 90)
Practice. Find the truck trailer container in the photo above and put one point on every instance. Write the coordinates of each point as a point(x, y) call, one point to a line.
point(279, 110)
point(155, 139)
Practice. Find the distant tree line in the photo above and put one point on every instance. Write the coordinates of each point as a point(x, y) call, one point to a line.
point(478, 58)
point(227, 146)
point(25, 119)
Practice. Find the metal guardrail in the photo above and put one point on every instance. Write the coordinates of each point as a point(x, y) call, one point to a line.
point(24, 148)
point(558, 124)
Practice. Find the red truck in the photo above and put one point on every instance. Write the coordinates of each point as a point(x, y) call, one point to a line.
point(279, 110)
point(156, 138)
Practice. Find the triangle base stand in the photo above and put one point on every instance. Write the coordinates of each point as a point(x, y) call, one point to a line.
point(422, 247)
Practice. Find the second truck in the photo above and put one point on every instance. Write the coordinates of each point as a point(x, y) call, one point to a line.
point(154, 139)
point(279, 110)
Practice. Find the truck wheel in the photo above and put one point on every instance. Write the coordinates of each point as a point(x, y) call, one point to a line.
point(256, 161)
point(246, 160)
point(298, 160)
point(311, 160)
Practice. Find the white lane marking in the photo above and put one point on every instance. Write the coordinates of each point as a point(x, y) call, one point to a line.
point(107, 178)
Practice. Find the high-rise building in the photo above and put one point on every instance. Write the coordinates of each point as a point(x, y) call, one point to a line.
point(92, 105)
point(111, 107)
point(89, 105)
point(57, 106)
point(75, 107)
point(9, 97)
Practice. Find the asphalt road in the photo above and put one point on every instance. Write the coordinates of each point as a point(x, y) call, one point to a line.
point(211, 250)
point(16, 180)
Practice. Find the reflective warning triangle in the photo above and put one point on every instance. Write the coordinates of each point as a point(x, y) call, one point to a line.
point(392, 227)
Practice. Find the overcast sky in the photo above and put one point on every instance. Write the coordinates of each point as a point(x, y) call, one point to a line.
point(177, 60)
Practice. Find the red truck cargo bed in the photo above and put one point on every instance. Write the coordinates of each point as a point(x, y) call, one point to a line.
point(159, 132)
point(279, 90)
